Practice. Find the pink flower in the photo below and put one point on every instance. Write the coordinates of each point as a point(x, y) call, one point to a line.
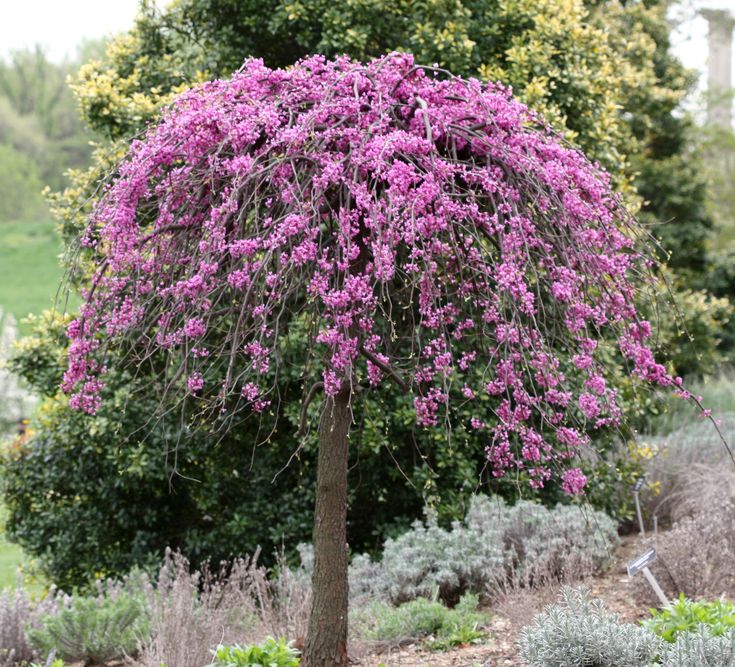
point(573, 481)
point(589, 406)
point(195, 383)
point(428, 406)
point(195, 328)
point(332, 383)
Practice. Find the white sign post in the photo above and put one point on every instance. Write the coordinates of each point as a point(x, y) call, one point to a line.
point(641, 564)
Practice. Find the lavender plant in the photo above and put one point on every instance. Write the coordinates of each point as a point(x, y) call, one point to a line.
point(18, 614)
point(701, 648)
point(93, 629)
point(192, 613)
point(579, 632)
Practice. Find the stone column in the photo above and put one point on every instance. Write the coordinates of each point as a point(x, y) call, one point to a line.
point(719, 67)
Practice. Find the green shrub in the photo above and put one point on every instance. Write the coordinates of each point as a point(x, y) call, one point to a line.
point(422, 618)
point(271, 653)
point(684, 615)
point(93, 629)
point(579, 632)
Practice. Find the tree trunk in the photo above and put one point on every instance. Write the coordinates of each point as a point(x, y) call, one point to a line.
point(326, 639)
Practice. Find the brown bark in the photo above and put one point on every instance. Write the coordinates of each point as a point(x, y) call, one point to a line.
point(326, 639)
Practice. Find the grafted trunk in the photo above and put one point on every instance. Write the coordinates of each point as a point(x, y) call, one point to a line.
point(326, 639)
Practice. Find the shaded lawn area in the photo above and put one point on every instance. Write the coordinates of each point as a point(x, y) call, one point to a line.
point(30, 273)
point(11, 558)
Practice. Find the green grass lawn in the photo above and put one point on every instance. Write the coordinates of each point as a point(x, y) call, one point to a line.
point(11, 558)
point(30, 273)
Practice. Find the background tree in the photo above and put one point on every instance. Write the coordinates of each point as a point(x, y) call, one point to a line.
point(415, 227)
point(20, 186)
point(41, 133)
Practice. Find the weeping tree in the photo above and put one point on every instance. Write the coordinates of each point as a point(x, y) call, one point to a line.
point(406, 226)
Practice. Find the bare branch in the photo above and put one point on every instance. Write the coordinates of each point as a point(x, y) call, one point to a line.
point(317, 386)
point(385, 368)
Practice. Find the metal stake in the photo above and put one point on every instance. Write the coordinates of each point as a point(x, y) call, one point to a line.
point(639, 513)
point(654, 585)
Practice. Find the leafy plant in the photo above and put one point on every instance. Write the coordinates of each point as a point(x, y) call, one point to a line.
point(271, 653)
point(93, 629)
point(685, 615)
point(422, 618)
point(461, 625)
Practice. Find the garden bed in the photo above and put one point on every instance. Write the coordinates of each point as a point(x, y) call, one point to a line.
point(614, 587)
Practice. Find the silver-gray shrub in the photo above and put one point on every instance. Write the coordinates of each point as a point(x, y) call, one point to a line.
point(496, 546)
point(562, 543)
point(579, 632)
point(702, 649)
point(429, 560)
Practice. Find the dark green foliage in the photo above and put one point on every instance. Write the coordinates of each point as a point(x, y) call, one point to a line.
point(675, 194)
point(96, 496)
point(94, 630)
point(721, 282)
point(667, 164)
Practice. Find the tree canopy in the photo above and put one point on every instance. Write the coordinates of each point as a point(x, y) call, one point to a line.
point(419, 230)
point(422, 229)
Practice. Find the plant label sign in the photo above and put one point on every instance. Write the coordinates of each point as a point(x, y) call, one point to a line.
point(639, 484)
point(635, 566)
point(641, 564)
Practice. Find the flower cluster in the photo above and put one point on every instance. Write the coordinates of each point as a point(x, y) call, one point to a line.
point(425, 230)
